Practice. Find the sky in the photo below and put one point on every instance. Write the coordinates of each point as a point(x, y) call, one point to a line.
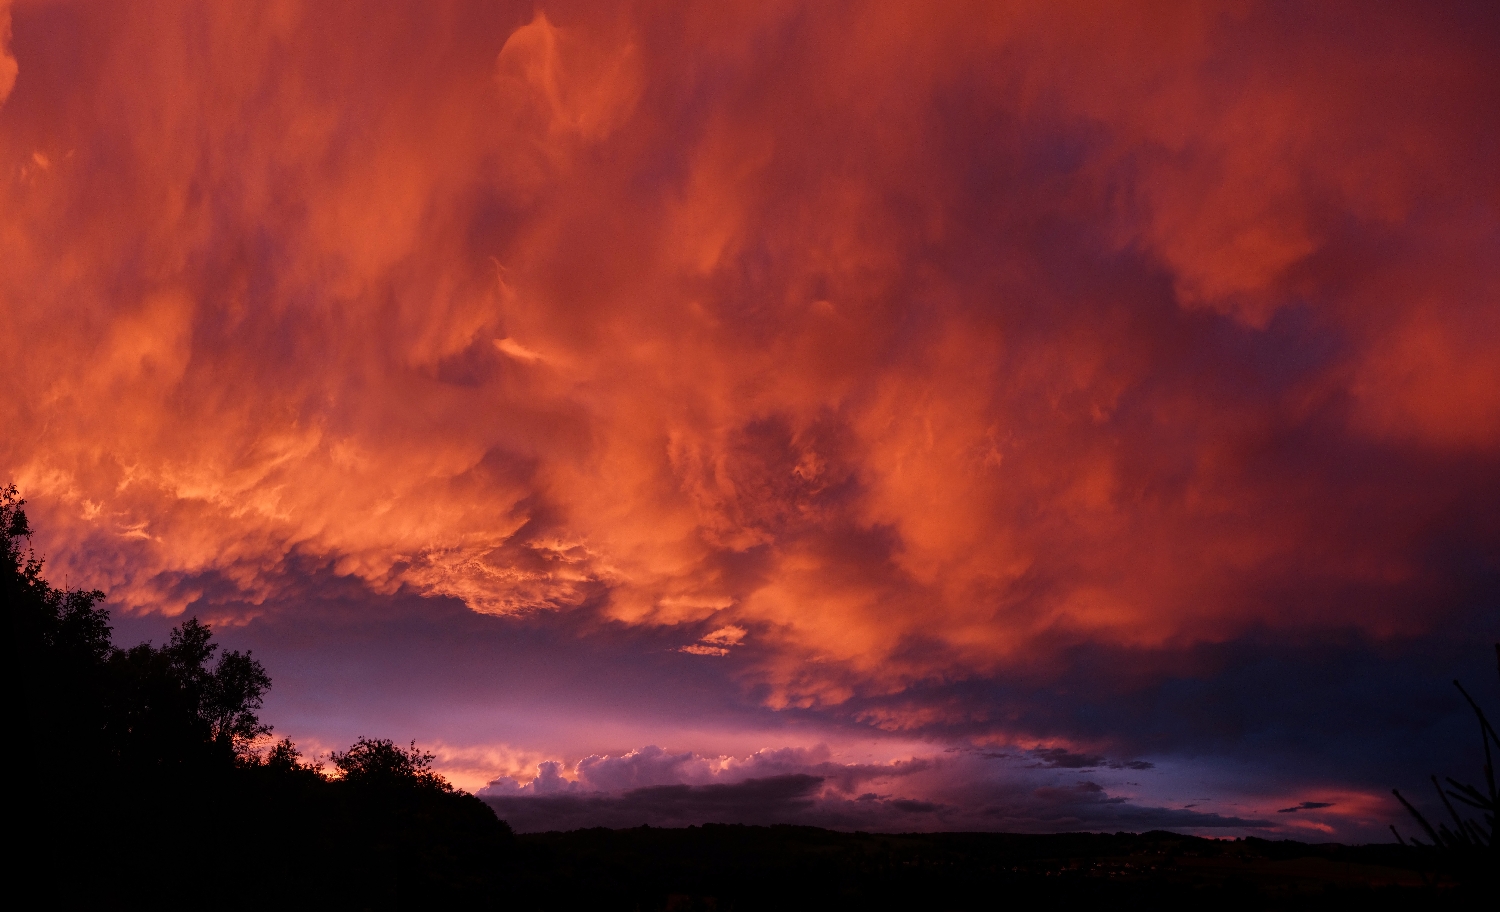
point(944, 416)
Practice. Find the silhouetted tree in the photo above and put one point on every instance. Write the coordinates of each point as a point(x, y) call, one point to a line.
point(283, 757)
point(414, 833)
point(59, 642)
point(169, 706)
point(98, 705)
point(381, 763)
point(150, 791)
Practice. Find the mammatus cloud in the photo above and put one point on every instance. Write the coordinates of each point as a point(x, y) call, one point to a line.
point(876, 357)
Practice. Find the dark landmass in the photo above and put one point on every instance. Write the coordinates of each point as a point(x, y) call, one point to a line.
point(787, 867)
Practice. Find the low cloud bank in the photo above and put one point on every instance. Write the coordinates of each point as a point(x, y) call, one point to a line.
point(1026, 791)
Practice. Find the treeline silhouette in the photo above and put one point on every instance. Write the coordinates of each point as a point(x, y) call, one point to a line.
point(136, 781)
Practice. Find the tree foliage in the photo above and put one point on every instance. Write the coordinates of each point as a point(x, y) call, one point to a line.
point(143, 706)
point(380, 763)
point(156, 795)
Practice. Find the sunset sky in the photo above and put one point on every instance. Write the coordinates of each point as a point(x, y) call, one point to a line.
point(905, 416)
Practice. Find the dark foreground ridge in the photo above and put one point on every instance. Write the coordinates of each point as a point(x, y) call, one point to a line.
point(785, 867)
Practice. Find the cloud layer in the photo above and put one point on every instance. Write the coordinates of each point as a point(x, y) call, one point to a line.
point(908, 361)
point(963, 792)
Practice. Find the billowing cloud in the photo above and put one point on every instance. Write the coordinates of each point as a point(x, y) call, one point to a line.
point(905, 363)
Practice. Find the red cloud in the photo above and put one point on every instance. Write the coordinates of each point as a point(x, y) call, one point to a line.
point(912, 343)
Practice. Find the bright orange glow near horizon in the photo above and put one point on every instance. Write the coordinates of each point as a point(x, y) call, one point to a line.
point(869, 348)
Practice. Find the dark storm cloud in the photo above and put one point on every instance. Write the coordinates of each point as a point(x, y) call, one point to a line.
point(1306, 806)
point(799, 799)
point(1062, 758)
point(781, 799)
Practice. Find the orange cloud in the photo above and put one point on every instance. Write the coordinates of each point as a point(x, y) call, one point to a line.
point(903, 343)
point(7, 61)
